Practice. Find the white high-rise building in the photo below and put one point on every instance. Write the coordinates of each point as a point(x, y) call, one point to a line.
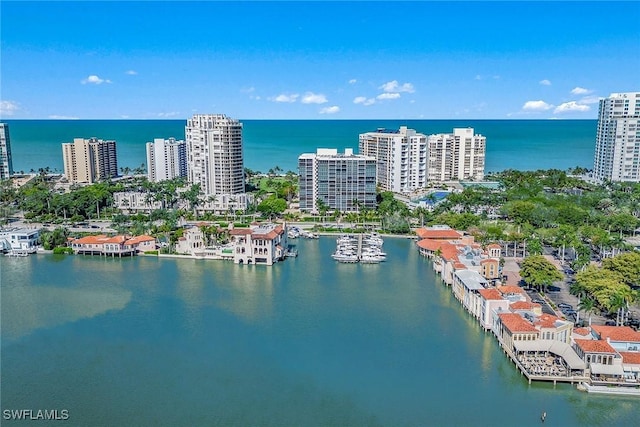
point(89, 160)
point(617, 153)
point(344, 182)
point(6, 165)
point(401, 158)
point(214, 154)
point(166, 159)
point(456, 156)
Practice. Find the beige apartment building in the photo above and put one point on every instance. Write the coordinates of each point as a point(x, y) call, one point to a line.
point(214, 154)
point(89, 160)
point(456, 156)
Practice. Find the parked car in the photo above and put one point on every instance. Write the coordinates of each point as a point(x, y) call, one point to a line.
point(565, 305)
point(553, 289)
point(537, 301)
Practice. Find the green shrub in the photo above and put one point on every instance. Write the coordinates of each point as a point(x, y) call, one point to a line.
point(62, 250)
point(151, 252)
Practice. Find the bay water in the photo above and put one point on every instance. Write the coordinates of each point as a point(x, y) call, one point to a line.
point(511, 144)
point(149, 341)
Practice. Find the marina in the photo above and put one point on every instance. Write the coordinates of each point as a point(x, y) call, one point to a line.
point(230, 345)
point(363, 248)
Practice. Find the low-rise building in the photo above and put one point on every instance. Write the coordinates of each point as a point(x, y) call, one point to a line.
point(192, 242)
point(22, 240)
point(260, 244)
point(119, 245)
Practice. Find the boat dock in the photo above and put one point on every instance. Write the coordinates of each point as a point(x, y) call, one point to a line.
point(366, 249)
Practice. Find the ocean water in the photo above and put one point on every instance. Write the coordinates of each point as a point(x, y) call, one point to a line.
point(511, 144)
point(308, 342)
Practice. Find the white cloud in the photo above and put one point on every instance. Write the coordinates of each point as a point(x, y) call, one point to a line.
point(58, 117)
point(388, 96)
point(169, 114)
point(248, 89)
point(353, 81)
point(313, 98)
point(478, 77)
point(283, 97)
point(330, 110)
point(364, 100)
point(131, 72)
point(536, 106)
point(545, 82)
point(93, 79)
point(580, 91)
point(571, 106)
point(8, 108)
point(394, 86)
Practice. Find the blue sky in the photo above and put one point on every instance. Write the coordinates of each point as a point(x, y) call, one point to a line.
point(314, 60)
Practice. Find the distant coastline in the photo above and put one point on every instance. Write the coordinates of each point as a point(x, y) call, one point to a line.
point(523, 144)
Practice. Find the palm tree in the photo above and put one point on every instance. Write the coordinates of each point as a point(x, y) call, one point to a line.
point(586, 304)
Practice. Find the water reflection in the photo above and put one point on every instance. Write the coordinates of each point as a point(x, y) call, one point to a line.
point(25, 309)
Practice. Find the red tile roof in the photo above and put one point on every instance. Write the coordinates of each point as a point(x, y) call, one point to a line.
point(430, 244)
point(516, 323)
point(630, 357)
point(140, 239)
point(617, 333)
point(489, 261)
point(595, 346)
point(490, 294)
point(511, 289)
point(459, 266)
point(524, 305)
point(240, 231)
point(494, 246)
point(438, 234)
point(547, 320)
point(582, 331)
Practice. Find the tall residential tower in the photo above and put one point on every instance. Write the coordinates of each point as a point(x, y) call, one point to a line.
point(6, 165)
point(166, 159)
point(89, 160)
point(617, 154)
point(401, 158)
point(343, 182)
point(214, 154)
point(456, 156)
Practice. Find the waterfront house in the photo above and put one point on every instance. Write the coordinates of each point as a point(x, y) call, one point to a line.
point(491, 302)
point(466, 286)
point(260, 244)
point(120, 245)
point(604, 362)
point(19, 240)
point(103, 245)
point(512, 327)
point(191, 242)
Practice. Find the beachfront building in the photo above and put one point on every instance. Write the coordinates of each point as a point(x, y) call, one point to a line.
point(617, 152)
point(136, 201)
point(6, 164)
point(344, 182)
point(19, 240)
point(259, 244)
point(456, 156)
point(466, 286)
point(214, 154)
point(401, 158)
point(119, 245)
point(166, 159)
point(89, 160)
point(191, 242)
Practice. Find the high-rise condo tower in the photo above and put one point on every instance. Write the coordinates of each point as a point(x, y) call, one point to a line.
point(617, 153)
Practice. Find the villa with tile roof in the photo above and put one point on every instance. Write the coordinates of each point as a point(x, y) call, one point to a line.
point(119, 246)
point(260, 244)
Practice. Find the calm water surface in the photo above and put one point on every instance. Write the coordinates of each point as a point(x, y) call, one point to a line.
point(308, 342)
